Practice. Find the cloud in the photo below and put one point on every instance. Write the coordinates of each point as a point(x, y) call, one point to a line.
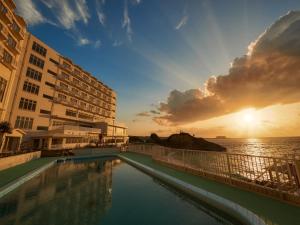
point(136, 2)
point(83, 41)
point(68, 12)
point(100, 13)
point(97, 44)
point(143, 114)
point(269, 74)
point(28, 10)
point(154, 112)
point(127, 22)
point(117, 43)
point(182, 22)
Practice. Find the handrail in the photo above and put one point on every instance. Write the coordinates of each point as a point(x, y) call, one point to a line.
point(276, 176)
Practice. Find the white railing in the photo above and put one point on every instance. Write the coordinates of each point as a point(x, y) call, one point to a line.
point(281, 174)
point(78, 128)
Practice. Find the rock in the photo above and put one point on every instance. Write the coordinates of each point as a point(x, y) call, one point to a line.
point(186, 141)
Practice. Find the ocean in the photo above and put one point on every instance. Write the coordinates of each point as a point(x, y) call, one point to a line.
point(276, 146)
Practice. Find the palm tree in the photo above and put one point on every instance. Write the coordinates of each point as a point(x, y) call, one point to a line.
point(5, 128)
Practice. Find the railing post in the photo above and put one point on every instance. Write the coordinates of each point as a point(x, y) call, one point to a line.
point(229, 167)
point(183, 158)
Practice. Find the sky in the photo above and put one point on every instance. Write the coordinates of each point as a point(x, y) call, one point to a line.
point(205, 67)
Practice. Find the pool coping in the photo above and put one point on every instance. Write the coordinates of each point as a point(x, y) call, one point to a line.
point(21, 180)
point(231, 208)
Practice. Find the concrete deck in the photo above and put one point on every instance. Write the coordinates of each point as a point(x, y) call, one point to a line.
point(270, 210)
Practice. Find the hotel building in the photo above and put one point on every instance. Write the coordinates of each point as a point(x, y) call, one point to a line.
point(12, 35)
point(55, 102)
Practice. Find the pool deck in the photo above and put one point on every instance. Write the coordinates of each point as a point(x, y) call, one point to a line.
point(270, 210)
point(9, 175)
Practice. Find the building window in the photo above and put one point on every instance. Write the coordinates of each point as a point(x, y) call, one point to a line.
point(75, 81)
point(39, 49)
point(3, 9)
point(52, 73)
point(83, 104)
point(74, 101)
point(15, 27)
point(3, 84)
point(63, 85)
point(7, 57)
point(85, 86)
point(24, 122)
point(54, 61)
point(11, 42)
point(43, 111)
point(27, 104)
point(41, 128)
point(71, 113)
point(36, 61)
point(33, 74)
point(62, 97)
point(65, 76)
point(85, 116)
point(77, 72)
point(50, 84)
point(31, 88)
point(66, 65)
point(48, 97)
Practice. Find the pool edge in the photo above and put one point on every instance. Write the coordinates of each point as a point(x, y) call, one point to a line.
point(21, 180)
point(229, 207)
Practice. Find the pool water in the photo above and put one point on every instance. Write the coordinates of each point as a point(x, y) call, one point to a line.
point(103, 191)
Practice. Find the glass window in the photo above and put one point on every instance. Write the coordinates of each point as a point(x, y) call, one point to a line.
point(3, 84)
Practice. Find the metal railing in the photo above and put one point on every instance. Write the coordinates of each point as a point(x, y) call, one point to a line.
point(280, 174)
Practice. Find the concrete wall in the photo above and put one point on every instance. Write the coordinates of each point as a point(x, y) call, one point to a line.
point(11, 161)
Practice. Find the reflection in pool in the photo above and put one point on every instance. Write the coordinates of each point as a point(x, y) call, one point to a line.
point(103, 191)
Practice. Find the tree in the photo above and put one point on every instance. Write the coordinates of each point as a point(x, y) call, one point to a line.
point(5, 128)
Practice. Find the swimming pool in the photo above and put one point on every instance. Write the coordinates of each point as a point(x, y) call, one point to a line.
point(103, 191)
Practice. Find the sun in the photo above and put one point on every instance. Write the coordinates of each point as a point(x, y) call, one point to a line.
point(248, 117)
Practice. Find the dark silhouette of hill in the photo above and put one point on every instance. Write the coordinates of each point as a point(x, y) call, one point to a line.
point(186, 141)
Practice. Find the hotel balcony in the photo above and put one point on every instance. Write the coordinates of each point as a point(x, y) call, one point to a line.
point(10, 64)
point(66, 129)
point(13, 49)
point(66, 68)
point(6, 17)
point(3, 32)
point(60, 88)
point(20, 35)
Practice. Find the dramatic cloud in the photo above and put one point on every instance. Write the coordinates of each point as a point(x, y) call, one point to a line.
point(182, 22)
point(127, 22)
point(269, 74)
point(143, 114)
point(27, 9)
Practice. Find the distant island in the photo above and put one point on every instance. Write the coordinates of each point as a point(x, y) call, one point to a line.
point(179, 141)
point(221, 137)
